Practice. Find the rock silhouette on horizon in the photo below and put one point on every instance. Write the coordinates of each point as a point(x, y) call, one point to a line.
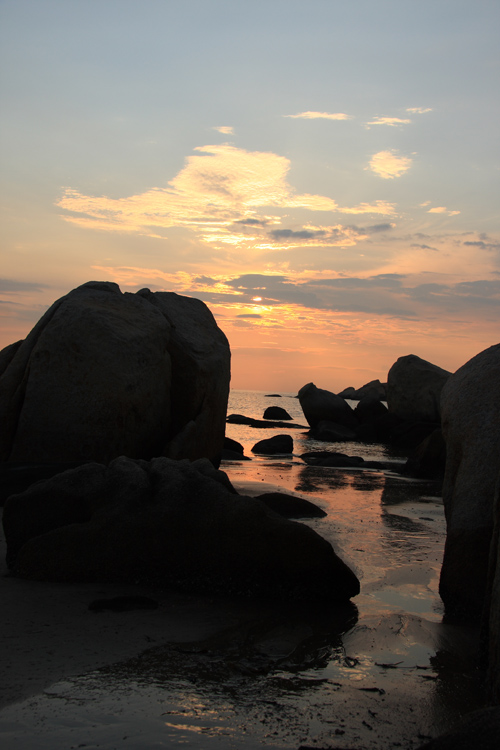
point(105, 373)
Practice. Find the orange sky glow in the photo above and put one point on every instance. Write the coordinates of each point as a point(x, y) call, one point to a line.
point(332, 222)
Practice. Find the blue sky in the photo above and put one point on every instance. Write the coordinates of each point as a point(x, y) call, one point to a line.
point(323, 174)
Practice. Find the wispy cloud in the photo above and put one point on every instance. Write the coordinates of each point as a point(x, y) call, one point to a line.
point(320, 116)
point(225, 129)
point(377, 207)
point(419, 110)
point(391, 121)
point(388, 164)
point(442, 210)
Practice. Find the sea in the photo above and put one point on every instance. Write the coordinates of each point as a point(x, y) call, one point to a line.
point(383, 671)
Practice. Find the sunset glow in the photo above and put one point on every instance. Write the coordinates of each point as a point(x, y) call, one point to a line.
point(342, 215)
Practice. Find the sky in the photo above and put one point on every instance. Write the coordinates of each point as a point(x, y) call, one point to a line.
point(324, 175)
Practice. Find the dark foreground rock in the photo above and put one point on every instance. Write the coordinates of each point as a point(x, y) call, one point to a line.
point(276, 445)
point(414, 389)
point(479, 730)
point(104, 374)
point(290, 506)
point(172, 523)
point(470, 575)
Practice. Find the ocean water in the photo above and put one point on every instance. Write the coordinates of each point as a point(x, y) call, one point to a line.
point(253, 404)
point(383, 671)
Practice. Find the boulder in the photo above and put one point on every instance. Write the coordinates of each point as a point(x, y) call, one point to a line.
point(105, 373)
point(369, 409)
point(414, 389)
point(291, 506)
point(278, 444)
point(428, 460)
point(349, 393)
point(319, 405)
point(171, 523)
point(374, 389)
point(479, 730)
point(328, 458)
point(260, 423)
point(470, 574)
point(276, 412)
point(330, 432)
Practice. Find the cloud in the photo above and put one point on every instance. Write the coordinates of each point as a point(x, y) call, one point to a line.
point(442, 210)
point(378, 207)
point(218, 186)
point(320, 116)
point(419, 110)
point(12, 286)
point(388, 164)
point(391, 121)
point(225, 129)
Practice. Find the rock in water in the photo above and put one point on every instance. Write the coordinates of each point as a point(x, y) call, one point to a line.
point(276, 412)
point(414, 389)
point(319, 405)
point(172, 523)
point(470, 575)
point(276, 445)
point(104, 374)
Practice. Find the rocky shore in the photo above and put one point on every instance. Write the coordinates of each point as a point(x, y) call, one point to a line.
point(117, 404)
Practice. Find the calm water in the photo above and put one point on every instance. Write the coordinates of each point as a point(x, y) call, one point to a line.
point(383, 671)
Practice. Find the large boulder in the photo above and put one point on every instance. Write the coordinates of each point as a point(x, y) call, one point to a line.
point(319, 405)
point(173, 523)
point(470, 575)
point(414, 389)
point(105, 373)
point(276, 412)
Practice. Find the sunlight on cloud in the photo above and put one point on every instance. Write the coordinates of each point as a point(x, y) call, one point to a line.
point(442, 210)
point(388, 164)
point(225, 129)
point(392, 121)
point(320, 116)
point(419, 110)
point(218, 186)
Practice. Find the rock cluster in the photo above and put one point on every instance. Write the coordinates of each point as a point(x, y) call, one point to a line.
point(172, 523)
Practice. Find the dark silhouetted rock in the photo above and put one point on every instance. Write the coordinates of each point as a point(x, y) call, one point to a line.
point(329, 432)
point(272, 395)
point(233, 445)
point(277, 444)
point(104, 374)
point(369, 409)
point(349, 393)
point(319, 405)
point(276, 412)
point(261, 423)
point(373, 389)
point(428, 460)
point(172, 523)
point(479, 730)
point(470, 575)
point(414, 389)
point(290, 506)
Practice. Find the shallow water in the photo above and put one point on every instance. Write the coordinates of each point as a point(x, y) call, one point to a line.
point(381, 672)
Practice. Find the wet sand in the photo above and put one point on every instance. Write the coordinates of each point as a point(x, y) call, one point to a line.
point(206, 672)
